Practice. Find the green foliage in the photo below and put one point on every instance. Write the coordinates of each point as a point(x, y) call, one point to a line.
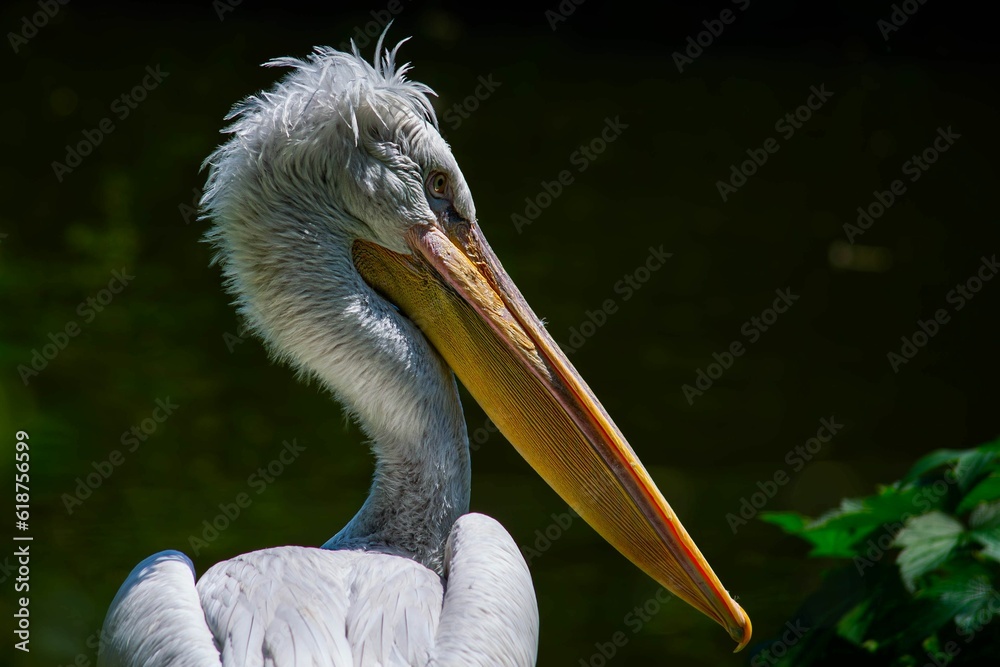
point(921, 587)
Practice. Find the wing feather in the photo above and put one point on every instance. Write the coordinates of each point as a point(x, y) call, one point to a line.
point(307, 607)
point(300, 606)
point(490, 613)
point(156, 618)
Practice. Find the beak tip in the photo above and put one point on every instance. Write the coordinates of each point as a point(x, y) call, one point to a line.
point(741, 630)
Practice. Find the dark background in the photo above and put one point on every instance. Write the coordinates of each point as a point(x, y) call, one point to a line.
point(170, 332)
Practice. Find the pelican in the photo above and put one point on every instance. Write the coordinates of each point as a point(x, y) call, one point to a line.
point(349, 238)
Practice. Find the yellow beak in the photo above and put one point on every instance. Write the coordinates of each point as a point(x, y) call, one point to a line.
point(454, 289)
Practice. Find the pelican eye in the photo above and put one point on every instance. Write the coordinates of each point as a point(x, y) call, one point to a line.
point(437, 183)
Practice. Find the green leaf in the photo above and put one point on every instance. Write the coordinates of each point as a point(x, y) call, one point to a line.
point(985, 516)
point(991, 446)
point(831, 543)
point(927, 541)
point(946, 567)
point(853, 625)
point(848, 507)
point(838, 533)
point(990, 539)
point(987, 490)
point(971, 466)
point(963, 595)
point(985, 524)
point(792, 523)
point(931, 461)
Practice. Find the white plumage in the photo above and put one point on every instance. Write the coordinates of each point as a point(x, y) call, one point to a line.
point(301, 606)
point(409, 581)
point(348, 235)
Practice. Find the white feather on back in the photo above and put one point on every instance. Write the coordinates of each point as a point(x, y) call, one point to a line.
point(301, 606)
point(308, 607)
point(156, 619)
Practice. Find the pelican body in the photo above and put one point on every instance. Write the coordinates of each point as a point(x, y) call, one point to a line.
point(348, 235)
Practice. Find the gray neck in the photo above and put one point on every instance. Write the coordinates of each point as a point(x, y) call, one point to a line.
point(314, 310)
point(423, 474)
point(413, 504)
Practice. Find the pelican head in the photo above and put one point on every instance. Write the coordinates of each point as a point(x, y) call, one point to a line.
point(349, 237)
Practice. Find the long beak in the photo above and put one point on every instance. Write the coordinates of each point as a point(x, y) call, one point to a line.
point(454, 289)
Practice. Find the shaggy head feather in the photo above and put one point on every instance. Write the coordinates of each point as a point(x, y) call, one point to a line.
point(340, 150)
